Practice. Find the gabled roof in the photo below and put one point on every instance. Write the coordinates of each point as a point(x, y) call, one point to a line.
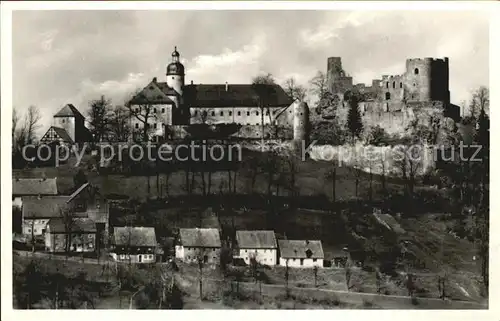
point(61, 132)
point(68, 111)
point(241, 95)
point(134, 236)
point(299, 249)
point(256, 239)
point(34, 186)
point(80, 225)
point(199, 237)
point(46, 206)
point(154, 93)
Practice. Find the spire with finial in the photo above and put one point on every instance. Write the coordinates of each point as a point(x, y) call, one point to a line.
point(175, 55)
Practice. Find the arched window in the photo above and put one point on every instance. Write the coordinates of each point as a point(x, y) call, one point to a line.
point(416, 71)
point(393, 84)
point(387, 96)
point(387, 85)
point(400, 85)
point(213, 113)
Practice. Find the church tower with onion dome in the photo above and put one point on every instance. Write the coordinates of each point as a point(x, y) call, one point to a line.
point(175, 73)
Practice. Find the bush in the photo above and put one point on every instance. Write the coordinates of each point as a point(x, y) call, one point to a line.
point(376, 136)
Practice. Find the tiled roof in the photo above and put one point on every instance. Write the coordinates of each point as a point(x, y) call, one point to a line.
point(200, 237)
point(61, 132)
point(80, 225)
point(235, 96)
point(154, 93)
point(46, 206)
point(256, 239)
point(68, 111)
point(34, 186)
point(299, 249)
point(134, 236)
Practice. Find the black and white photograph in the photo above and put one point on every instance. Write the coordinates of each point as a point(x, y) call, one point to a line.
point(246, 159)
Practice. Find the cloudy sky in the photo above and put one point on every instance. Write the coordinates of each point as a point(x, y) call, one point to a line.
point(64, 57)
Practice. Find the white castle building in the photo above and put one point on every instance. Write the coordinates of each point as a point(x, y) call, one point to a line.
point(171, 103)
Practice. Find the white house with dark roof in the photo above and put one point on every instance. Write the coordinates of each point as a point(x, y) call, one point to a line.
point(260, 245)
point(68, 127)
point(134, 244)
point(301, 253)
point(198, 243)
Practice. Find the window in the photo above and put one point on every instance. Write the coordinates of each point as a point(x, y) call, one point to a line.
point(213, 113)
point(314, 260)
point(196, 113)
point(36, 230)
point(222, 113)
point(136, 125)
point(387, 85)
point(63, 121)
point(393, 84)
point(154, 110)
point(416, 71)
point(239, 113)
point(267, 113)
point(163, 110)
point(246, 251)
point(188, 257)
point(230, 113)
point(213, 249)
point(256, 113)
point(155, 125)
point(173, 77)
point(248, 113)
point(387, 96)
point(400, 85)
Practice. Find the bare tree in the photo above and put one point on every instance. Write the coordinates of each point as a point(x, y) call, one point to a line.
point(319, 85)
point(264, 88)
point(99, 117)
point(204, 116)
point(119, 123)
point(32, 123)
point(332, 176)
point(294, 90)
point(315, 271)
point(68, 220)
point(480, 101)
point(142, 112)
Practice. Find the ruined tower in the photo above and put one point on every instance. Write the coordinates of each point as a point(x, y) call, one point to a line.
point(337, 80)
point(301, 122)
point(427, 80)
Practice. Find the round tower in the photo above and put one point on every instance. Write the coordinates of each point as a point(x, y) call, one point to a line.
point(175, 73)
point(301, 122)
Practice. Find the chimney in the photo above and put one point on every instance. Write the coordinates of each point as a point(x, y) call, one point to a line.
point(192, 82)
point(227, 86)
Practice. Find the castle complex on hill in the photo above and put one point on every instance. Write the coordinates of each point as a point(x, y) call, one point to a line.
point(168, 107)
point(394, 100)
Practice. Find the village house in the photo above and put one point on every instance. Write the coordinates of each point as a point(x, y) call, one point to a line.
point(196, 244)
point(85, 202)
point(38, 211)
point(301, 253)
point(81, 234)
point(260, 245)
point(32, 187)
point(134, 244)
